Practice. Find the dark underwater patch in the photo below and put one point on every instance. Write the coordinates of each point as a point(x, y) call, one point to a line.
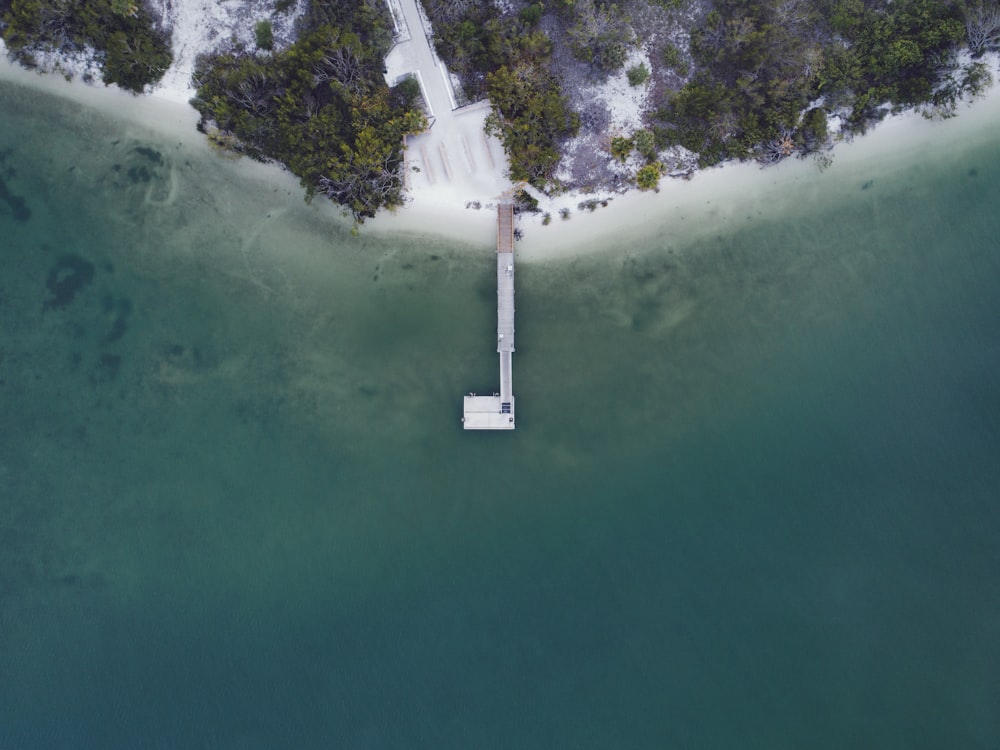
point(106, 370)
point(67, 277)
point(119, 309)
point(139, 174)
point(182, 356)
point(150, 153)
point(18, 206)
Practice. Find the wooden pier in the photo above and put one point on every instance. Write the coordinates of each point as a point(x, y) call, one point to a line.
point(496, 412)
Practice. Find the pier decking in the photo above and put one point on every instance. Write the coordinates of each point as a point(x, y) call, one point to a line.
point(496, 412)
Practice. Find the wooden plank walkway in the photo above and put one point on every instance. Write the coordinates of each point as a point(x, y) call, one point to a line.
point(496, 412)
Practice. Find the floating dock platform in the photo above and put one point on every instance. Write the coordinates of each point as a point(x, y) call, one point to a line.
point(496, 412)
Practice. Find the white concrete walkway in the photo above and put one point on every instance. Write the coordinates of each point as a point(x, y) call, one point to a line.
point(454, 162)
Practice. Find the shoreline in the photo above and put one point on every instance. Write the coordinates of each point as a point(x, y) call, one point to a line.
point(711, 201)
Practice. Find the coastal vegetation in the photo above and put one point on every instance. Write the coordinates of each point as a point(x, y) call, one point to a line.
point(505, 57)
point(728, 79)
point(264, 35)
point(760, 64)
point(321, 107)
point(648, 177)
point(530, 116)
point(716, 79)
point(125, 42)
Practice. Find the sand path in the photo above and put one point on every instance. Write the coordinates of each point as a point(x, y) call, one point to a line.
point(454, 163)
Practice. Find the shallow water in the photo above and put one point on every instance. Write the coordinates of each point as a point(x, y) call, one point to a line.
point(751, 500)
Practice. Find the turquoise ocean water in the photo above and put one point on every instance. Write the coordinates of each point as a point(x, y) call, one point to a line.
point(752, 501)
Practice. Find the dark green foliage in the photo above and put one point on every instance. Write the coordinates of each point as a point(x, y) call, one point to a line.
point(474, 39)
point(671, 56)
point(894, 54)
point(645, 144)
point(814, 125)
point(531, 116)
point(599, 33)
point(407, 92)
point(621, 147)
point(504, 58)
point(525, 202)
point(264, 34)
point(648, 178)
point(531, 14)
point(135, 53)
point(637, 74)
point(133, 60)
point(367, 19)
point(755, 77)
point(760, 62)
point(283, 5)
point(322, 108)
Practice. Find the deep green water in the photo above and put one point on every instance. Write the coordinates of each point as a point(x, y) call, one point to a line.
point(752, 501)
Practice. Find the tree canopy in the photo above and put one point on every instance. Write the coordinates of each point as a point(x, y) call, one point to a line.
point(504, 57)
point(759, 63)
point(133, 52)
point(321, 107)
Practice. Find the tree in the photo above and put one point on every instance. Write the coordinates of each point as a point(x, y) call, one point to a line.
point(530, 115)
point(134, 60)
point(132, 51)
point(982, 27)
point(600, 34)
point(322, 108)
point(125, 8)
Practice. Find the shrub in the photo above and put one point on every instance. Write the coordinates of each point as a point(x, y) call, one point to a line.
point(532, 14)
point(645, 144)
point(132, 62)
point(407, 94)
point(525, 201)
point(815, 124)
point(648, 178)
point(125, 8)
point(264, 34)
point(672, 58)
point(638, 74)
point(599, 35)
point(621, 147)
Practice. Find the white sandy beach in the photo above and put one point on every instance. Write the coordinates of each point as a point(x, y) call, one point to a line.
point(710, 202)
